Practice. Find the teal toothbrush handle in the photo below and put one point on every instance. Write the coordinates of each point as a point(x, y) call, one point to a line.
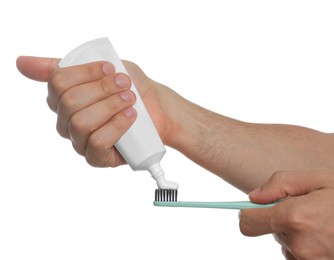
point(220, 205)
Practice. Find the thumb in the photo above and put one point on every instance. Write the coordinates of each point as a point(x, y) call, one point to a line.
point(36, 68)
point(290, 183)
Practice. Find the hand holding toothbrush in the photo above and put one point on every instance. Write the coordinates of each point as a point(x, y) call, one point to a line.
point(304, 223)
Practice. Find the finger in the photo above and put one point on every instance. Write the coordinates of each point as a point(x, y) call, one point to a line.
point(100, 149)
point(290, 183)
point(88, 120)
point(36, 68)
point(256, 222)
point(135, 72)
point(66, 78)
point(85, 95)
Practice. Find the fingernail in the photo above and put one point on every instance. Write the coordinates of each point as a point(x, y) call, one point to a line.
point(130, 112)
point(239, 214)
point(108, 68)
point(122, 81)
point(127, 95)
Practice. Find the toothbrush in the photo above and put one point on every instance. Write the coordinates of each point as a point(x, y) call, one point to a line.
point(168, 198)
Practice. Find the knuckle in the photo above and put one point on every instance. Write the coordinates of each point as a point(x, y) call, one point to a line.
point(97, 142)
point(61, 131)
point(111, 105)
point(78, 124)
point(120, 125)
point(68, 100)
point(108, 85)
point(97, 145)
point(58, 82)
point(91, 162)
point(79, 148)
point(94, 69)
point(296, 220)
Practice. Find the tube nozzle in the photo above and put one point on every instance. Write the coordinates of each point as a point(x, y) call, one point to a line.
point(158, 175)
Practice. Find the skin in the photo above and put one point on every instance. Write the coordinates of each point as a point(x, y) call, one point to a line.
point(303, 222)
point(93, 104)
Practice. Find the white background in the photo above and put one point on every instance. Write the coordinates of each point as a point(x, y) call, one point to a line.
point(257, 61)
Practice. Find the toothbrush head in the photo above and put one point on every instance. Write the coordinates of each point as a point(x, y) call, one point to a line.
point(169, 195)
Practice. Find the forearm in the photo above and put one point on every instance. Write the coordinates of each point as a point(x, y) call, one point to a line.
point(246, 154)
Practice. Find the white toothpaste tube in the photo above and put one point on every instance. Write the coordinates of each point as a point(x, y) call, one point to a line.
point(141, 145)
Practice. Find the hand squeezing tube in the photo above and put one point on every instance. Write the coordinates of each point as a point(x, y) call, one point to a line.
point(141, 145)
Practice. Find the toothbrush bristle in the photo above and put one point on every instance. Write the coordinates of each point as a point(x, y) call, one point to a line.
point(165, 195)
